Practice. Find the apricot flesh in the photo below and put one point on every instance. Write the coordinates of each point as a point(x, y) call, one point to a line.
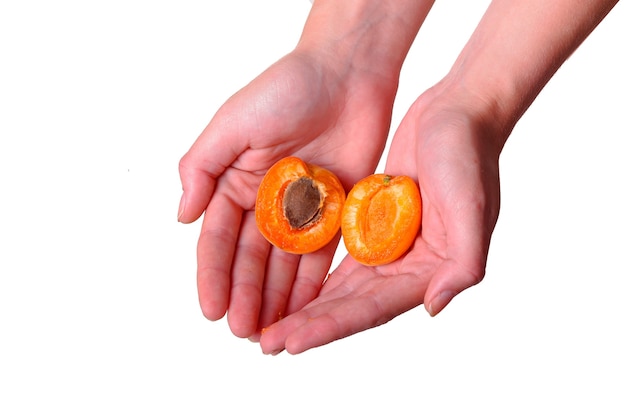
point(298, 206)
point(381, 218)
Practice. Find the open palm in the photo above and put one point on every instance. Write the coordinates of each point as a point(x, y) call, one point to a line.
point(298, 107)
point(449, 153)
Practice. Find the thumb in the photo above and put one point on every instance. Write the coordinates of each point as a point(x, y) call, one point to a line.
point(468, 235)
point(449, 280)
point(198, 188)
point(214, 150)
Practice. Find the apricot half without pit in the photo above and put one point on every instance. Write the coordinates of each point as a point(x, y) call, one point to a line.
point(381, 217)
point(298, 206)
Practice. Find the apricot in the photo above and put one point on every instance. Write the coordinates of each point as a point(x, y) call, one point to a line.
point(381, 218)
point(298, 206)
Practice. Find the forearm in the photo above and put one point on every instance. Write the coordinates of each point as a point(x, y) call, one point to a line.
point(517, 48)
point(364, 35)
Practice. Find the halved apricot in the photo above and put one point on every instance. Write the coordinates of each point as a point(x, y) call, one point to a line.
point(298, 206)
point(381, 218)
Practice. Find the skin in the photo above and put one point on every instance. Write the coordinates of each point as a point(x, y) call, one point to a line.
point(449, 142)
point(322, 103)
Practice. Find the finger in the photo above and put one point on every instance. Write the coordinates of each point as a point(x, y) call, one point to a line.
point(312, 271)
point(273, 337)
point(468, 236)
point(347, 267)
point(449, 280)
point(371, 307)
point(292, 282)
point(340, 316)
point(198, 187)
point(214, 150)
point(216, 248)
point(248, 273)
point(280, 273)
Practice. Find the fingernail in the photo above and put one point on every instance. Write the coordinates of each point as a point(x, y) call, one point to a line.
point(439, 302)
point(276, 352)
point(181, 207)
point(273, 352)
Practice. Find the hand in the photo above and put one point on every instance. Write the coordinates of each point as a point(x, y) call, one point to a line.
point(302, 106)
point(450, 150)
point(450, 142)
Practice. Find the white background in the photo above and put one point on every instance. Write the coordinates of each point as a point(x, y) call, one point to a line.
point(98, 308)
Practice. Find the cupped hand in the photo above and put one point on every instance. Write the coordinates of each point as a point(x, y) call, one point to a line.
point(453, 153)
point(309, 107)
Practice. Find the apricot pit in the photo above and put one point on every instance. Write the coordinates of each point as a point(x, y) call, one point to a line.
point(302, 203)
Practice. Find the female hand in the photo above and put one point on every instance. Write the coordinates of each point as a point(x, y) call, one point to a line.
point(304, 105)
point(451, 152)
point(450, 142)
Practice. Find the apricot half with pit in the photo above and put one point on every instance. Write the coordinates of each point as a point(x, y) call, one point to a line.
point(381, 218)
point(298, 206)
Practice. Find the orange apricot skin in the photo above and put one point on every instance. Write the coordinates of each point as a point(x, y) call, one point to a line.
point(381, 218)
point(269, 209)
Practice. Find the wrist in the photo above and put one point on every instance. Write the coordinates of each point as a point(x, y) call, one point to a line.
point(363, 36)
point(455, 101)
point(515, 50)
